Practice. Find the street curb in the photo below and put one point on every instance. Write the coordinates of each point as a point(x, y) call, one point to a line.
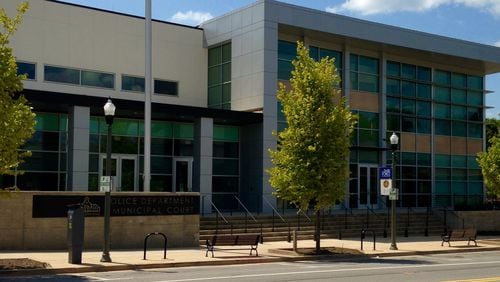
point(103, 268)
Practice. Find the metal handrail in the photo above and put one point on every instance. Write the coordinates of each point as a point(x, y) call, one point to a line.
point(301, 211)
point(445, 222)
point(386, 219)
point(282, 219)
point(369, 209)
point(217, 218)
point(244, 207)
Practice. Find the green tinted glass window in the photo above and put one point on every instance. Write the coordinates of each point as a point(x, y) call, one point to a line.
point(475, 188)
point(423, 159)
point(459, 174)
point(408, 158)
point(27, 69)
point(166, 87)
point(458, 96)
point(459, 128)
point(287, 50)
point(442, 188)
point(475, 130)
point(47, 122)
point(458, 80)
point(408, 106)
point(423, 73)
point(63, 75)
point(368, 120)
point(368, 82)
point(442, 111)
point(393, 86)
point(214, 76)
point(423, 108)
point(98, 79)
point(442, 127)
point(393, 69)
point(459, 161)
point(393, 105)
point(423, 91)
point(442, 94)
point(442, 160)
point(458, 112)
point(226, 53)
point(424, 125)
point(393, 123)
point(226, 133)
point(368, 65)
point(183, 130)
point(474, 114)
point(226, 72)
point(314, 53)
point(323, 53)
point(368, 138)
point(475, 82)
point(125, 127)
point(94, 125)
point(472, 162)
point(161, 129)
point(408, 88)
point(365, 156)
point(475, 98)
point(459, 188)
point(408, 71)
point(442, 77)
point(353, 62)
point(443, 173)
point(285, 69)
point(215, 96)
point(408, 124)
point(475, 174)
point(214, 56)
point(132, 83)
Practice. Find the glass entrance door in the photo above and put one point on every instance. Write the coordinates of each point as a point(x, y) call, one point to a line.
point(183, 174)
point(368, 186)
point(123, 172)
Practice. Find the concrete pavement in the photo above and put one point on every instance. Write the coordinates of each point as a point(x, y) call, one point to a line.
point(268, 252)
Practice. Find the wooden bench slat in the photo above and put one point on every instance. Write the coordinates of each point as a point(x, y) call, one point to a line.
point(251, 240)
point(468, 235)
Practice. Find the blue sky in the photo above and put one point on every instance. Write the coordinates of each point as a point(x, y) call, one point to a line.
point(472, 20)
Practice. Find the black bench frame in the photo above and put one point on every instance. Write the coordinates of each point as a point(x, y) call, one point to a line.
point(251, 240)
point(468, 235)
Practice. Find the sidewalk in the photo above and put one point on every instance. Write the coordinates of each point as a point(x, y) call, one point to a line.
point(268, 252)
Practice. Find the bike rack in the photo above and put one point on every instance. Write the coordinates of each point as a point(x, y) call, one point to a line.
point(164, 244)
point(363, 237)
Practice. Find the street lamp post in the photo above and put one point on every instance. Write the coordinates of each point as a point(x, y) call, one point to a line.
point(109, 113)
point(394, 146)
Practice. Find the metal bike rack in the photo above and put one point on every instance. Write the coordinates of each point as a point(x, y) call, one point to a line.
point(363, 237)
point(164, 243)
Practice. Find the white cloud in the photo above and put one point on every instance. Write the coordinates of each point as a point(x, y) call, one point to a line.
point(369, 7)
point(497, 43)
point(191, 17)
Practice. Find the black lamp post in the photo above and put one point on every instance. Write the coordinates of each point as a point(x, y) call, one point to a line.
point(394, 146)
point(109, 113)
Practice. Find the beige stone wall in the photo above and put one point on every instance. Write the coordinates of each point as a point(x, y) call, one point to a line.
point(481, 220)
point(20, 231)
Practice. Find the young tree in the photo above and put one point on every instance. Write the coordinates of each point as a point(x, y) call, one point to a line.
point(492, 129)
point(489, 162)
point(17, 121)
point(311, 162)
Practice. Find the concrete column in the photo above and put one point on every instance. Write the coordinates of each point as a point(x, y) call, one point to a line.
point(78, 148)
point(202, 165)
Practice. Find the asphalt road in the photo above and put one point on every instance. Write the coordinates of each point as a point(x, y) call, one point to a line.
point(481, 266)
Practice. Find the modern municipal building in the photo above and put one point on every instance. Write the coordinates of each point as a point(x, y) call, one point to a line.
point(214, 105)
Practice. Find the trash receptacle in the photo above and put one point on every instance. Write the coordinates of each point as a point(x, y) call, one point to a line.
point(76, 230)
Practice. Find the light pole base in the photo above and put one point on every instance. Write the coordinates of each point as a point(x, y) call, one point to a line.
point(393, 247)
point(105, 257)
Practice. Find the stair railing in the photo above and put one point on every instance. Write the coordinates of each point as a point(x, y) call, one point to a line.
point(298, 218)
point(368, 211)
point(217, 215)
point(248, 213)
point(282, 219)
point(346, 209)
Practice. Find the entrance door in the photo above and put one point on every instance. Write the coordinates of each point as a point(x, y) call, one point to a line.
point(123, 170)
point(183, 174)
point(368, 186)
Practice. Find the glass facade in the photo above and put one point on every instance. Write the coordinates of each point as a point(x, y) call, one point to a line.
point(28, 69)
point(79, 77)
point(45, 170)
point(168, 141)
point(225, 167)
point(364, 73)
point(219, 77)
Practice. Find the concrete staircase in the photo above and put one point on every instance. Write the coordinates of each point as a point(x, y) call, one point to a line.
point(336, 225)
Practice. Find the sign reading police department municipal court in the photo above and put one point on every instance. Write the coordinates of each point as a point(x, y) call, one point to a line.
point(121, 205)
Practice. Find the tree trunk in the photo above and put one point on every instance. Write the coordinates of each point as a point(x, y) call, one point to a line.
point(317, 231)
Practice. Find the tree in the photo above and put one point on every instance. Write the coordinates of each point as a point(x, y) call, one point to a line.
point(17, 121)
point(311, 162)
point(492, 129)
point(489, 162)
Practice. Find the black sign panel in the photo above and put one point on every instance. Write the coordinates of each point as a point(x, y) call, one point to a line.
point(57, 206)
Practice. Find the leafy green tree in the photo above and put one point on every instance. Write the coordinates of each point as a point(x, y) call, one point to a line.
point(492, 129)
point(489, 162)
point(311, 162)
point(17, 121)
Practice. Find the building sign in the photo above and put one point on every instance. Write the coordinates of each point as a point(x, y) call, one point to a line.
point(57, 206)
point(385, 172)
point(105, 184)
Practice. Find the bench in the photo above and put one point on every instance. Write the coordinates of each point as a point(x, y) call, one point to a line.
point(468, 235)
point(251, 240)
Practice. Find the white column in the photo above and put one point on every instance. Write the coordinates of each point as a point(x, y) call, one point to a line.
point(78, 148)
